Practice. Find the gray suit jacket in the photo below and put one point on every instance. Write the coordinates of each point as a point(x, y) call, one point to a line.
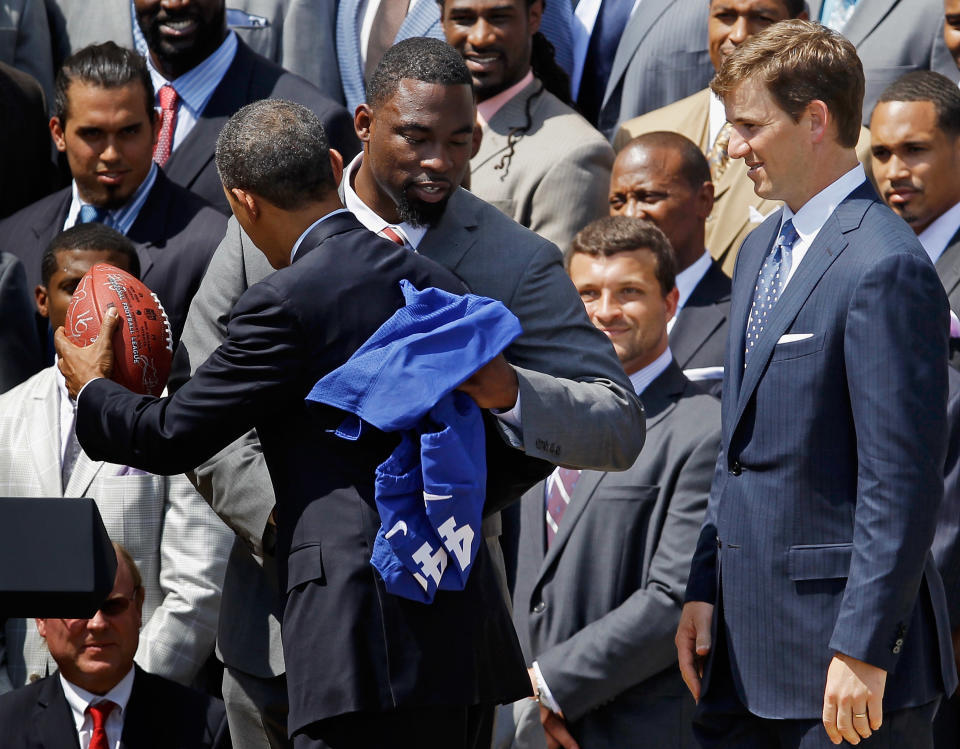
point(549, 170)
point(662, 57)
point(25, 41)
point(699, 337)
point(893, 37)
point(297, 34)
point(948, 268)
point(598, 610)
point(178, 544)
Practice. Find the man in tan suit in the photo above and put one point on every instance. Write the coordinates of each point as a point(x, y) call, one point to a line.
point(737, 210)
point(540, 162)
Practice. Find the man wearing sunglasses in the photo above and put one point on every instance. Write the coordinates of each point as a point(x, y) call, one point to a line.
point(98, 696)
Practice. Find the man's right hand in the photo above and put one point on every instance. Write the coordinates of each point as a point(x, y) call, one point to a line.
point(693, 643)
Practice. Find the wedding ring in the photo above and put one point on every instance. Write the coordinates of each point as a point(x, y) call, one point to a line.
point(859, 715)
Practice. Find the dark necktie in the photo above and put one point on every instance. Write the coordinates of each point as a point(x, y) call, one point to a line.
point(386, 23)
point(770, 283)
point(611, 21)
point(168, 122)
point(560, 485)
point(90, 213)
point(99, 713)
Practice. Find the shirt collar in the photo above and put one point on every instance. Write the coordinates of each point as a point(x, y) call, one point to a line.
point(814, 213)
point(80, 699)
point(366, 216)
point(121, 218)
point(688, 278)
point(937, 236)
point(489, 107)
point(296, 245)
point(642, 378)
point(196, 86)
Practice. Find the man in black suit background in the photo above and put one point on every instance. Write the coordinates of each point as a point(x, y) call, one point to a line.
point(364, 668)
point(98, 696)
point(106, 126)
point(203, 73)
point(663, 177)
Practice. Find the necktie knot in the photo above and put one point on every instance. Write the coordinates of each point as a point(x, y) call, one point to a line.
point(788, 236)
point(773, 277)
point(718, 157)
point(90, 213)
point(99, 712)
point(168, 97)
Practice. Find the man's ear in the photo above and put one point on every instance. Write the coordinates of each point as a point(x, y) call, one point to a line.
point(820, 118)
point(671, 300)
point(40, 297)
point(244, 201)
point(336, 164)
point(705, 196)
point(42, 627)
point(362, 120)
point(155, 125)
point(56, 132)
point(534, 14)
point(477, 138)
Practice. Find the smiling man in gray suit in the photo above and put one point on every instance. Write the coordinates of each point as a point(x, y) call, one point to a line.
point(603, 557)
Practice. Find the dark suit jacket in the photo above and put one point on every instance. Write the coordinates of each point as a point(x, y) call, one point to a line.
point(946, 542)
point(598, 610)
point(249, 78)
point(26, 169)
point(699, 337)
point(20, 353)
point(826, 492)
point(948, 268)
point(161, 714)
point(348, 644)
point(175, 232)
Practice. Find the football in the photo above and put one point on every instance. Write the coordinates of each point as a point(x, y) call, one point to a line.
point(142, 346)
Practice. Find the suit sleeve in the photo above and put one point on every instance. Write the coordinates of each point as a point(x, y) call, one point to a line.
point(572, 193)
point(194, 547)
point(577, 405)
point(946, 542)
point(34, 54)
point(634, 641)
point(895, 355)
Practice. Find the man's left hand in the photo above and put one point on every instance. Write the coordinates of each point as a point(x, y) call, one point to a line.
point(555, 728)
point(80, 365)
point(853, 699)
point(494, 385)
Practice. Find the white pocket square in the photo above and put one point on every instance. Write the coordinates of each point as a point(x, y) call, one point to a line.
point(793, 337)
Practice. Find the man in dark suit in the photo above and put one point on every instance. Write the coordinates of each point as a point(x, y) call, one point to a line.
point(20, 353)
point(203, 73)
point(603, 557)
point(813, 589)
point(106, 126)
point(98, 696)
point(663, 177)
point(364, 667)
point(915, 146)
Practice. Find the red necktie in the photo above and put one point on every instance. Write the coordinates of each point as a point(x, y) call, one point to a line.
point(168, 122)
point(393, 235)
point(99, 713)
point(560, 484)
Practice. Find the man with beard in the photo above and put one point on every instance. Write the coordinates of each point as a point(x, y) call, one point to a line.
point(575, 405)
point(106, 126)
point(203, 73)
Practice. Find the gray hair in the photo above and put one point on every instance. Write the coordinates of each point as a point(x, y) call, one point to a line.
point(277, 150)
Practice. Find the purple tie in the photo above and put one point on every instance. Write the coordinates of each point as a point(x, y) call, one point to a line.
point(560, 485)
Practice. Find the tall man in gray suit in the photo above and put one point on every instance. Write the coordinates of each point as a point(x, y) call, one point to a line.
point(603, 557)
point(813, 590)
point(417, 133)
point(915, 146)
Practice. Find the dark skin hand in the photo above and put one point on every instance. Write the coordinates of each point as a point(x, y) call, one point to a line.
point(554, 724)
point(80, 365)
point(494, 385)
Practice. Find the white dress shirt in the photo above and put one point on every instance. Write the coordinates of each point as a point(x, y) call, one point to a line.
point(80, 699)
point(811, 217)
point(584, 19)
point(687, 281)
point(937, 236)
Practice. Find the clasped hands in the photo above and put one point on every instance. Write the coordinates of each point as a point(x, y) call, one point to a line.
point(852, 698)
point(554, 724)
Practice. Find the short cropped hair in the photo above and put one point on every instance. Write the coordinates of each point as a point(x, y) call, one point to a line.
point(926, 85)
point(106, 65)
point(614, 234)
point(277, 150)
point(131, 565)
point(694, 168)
point(90, 237)
point(418, 58)
point(799, 62)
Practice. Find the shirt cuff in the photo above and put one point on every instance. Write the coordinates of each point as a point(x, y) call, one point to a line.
point(511, 416)
point(546, 696)
point(85, 387)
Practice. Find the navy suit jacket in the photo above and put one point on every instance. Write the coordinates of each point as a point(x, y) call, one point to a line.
point(161, 714)
point(825, 496)
point(175, 232)
point(250, 77)
point(348, 644)
point(699, 337)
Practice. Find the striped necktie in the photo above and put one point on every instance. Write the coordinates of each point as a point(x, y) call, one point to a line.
point(770, 283)
point(560, 486)
point(836, 13)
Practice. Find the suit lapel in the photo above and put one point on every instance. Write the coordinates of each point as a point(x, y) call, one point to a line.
point(52, 719)
point(865, 18)
point(43, 434)
point(449, 240)
point(197, 150)
point(948, 264)
point(148, 230)
point(582, 492)
point(663, 393)
point(84, 472)
point(637, 29)
point(49, 226)
point(139, 720)
point(698, 319)
point(511, 116)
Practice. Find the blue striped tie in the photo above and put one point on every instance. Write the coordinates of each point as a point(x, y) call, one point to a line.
point(90, 214)
point(770, 283)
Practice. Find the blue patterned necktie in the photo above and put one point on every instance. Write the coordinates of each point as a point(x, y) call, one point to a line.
point(836, 13)
point(611, 21)
point(90, 213)
point(770, 283)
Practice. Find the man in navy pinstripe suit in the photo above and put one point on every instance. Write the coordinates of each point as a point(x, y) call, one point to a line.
point(813, 601)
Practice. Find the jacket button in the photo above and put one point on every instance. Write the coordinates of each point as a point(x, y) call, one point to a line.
point(539, 607)
point(899, 642)
point(735, 468)
point(896, 649)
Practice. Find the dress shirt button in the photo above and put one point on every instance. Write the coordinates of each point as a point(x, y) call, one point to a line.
point(538, 607)
point(735, 468)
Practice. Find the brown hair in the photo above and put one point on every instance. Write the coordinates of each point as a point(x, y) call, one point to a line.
point(613, 234)
point(799, 62)
point(124, 555)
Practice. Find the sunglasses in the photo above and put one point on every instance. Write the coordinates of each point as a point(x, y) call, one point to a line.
point(118, 605)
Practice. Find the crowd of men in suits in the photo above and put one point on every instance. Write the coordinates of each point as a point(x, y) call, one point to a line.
point(722, 458)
